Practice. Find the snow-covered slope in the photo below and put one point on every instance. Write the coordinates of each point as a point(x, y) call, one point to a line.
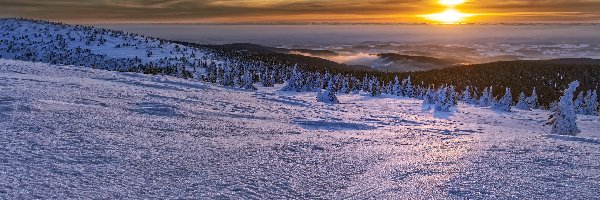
point(74, 132)
point(56, 43)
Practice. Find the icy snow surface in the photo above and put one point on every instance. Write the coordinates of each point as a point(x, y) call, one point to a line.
point(72, 132)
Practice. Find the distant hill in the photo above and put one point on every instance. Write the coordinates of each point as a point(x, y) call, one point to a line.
point(401, 63)
point(280, 55)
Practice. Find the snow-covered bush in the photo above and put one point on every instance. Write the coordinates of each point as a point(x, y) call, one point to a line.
point(564, 119)
point(579, 103)
point(328, 96)
point(505, 102)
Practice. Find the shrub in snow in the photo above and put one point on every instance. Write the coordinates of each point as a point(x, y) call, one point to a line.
point(505, 102)
point(564, 119)
point(522, 104)
point(328, 96)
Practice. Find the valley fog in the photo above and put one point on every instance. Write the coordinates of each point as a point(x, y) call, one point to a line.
point(357, 44)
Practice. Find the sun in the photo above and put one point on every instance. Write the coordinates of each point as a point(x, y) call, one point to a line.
point(449, 16)
point(451, 2)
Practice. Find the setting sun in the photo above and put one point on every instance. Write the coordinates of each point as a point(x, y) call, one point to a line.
point(452, 2)
point(449, 16)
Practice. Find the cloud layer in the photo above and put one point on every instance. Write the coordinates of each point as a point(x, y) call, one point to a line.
point(295, 10)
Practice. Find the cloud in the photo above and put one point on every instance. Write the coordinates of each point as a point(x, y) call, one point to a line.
point(288, 10)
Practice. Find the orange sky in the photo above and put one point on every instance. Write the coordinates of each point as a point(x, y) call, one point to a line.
point(241, 11)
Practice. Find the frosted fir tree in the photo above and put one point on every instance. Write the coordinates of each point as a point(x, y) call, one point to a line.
point(533, 100)
point(452, 97)
point(564, 118)
point(389, 88)
point(580, 103)
point(267, 79)
point(522, 103)
point(429, 97)
point(441, 102)
point(591, 103)
point(295, 82)
point(366, 84)
point(374, 87)
point(505, 102)
point(344, 88)
point(408, 88)
point(484, 100)
point(247, 81)
point(211, 73)
point(328, 96)
point(397, 88)
point(466, 96)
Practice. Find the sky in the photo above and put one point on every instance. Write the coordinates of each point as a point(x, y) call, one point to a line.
point(268, 11)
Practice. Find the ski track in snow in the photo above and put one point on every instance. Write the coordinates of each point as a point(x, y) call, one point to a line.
point(72, 132)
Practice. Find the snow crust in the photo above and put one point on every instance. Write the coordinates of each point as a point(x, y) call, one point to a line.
point(74, 132)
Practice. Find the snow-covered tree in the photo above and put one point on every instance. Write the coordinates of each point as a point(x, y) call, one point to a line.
point(564, 118)
point(580, 103)
point(248, 82)
point(225, 76)
point(295, 83)
point(466, 96)
point(442, 103)
point(505, 102)
point(408, 88)
point(374, 87)
point(429, 97)
point(344, 88)
point(591, 103)
point(485, 100)
point(533, 100)
point(397, 88)
point(267, 79)
point(328, 96)
point(522, 104)
point(452, 97)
